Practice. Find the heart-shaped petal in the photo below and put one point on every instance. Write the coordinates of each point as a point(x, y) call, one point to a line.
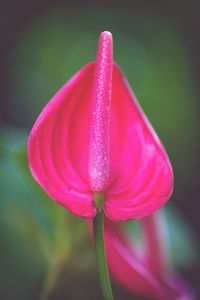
point(93, 137)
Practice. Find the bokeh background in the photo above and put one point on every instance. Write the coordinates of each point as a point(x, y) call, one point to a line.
point(43, 43)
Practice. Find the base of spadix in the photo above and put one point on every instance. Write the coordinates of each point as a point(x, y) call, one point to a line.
point(99, 199)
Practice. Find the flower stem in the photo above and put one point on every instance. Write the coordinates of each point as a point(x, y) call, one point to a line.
point(101, 256)
point(49, 282)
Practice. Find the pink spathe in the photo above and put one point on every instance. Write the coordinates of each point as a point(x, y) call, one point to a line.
point(93, 137)
point(146, 272)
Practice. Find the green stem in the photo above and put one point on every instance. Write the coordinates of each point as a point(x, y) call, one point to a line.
point(101, 256)
point(49, 282)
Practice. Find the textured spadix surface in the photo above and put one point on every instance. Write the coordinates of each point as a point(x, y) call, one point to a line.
point(135, 176)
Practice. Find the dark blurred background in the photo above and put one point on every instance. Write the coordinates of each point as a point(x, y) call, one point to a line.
point(157, 45)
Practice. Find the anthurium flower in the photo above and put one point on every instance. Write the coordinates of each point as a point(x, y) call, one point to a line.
point(148, 273)
point(94, 137)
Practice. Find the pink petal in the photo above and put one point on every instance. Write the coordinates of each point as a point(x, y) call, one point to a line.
point(134, 274)
point(82, 143)
point(58, 145)
point(141, 177)
point(155, 248)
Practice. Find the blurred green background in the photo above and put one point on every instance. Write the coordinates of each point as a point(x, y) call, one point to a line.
point(43, 43)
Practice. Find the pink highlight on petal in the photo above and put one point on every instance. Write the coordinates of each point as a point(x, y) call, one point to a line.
point(58, 143)
point(99, 146)
point(141, 176)
point(94, 137)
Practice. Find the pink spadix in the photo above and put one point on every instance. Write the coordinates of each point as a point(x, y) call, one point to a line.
point(99, 128)
point(93, 137)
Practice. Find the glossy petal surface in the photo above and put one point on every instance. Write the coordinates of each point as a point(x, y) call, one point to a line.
point(58, 145)
point(141, 177)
